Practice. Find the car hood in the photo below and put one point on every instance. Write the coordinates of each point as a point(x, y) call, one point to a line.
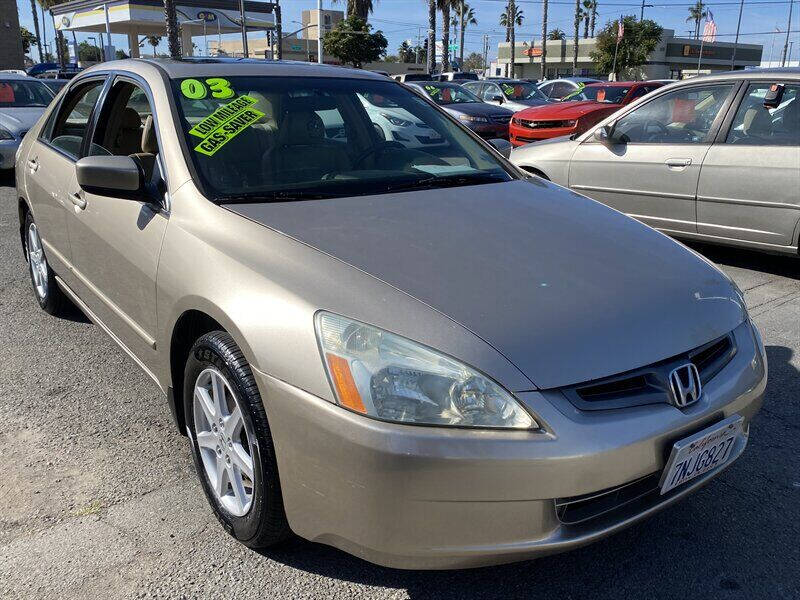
point(477, 109)
point(565, 110)
point(565, 288)
point(20, 119)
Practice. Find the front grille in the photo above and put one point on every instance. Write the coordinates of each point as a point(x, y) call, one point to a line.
point(500, 118)
point(578, 509)
point(543, 124)
point(650, 384)
point(423, 139)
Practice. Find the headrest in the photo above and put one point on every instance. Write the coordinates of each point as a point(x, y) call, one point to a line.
point(149, 139)
point(315, 102)
point(266, 105)
point(130, 119)
point(302, 127)
point(757, 121)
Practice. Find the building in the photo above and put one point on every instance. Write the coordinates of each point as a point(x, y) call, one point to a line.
point(311, 20)
point(673, 58)
point(11, 56)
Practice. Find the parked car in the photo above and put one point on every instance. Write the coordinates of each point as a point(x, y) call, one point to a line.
point(513, 94)
point(406, 77)
point(712, 158)
point(577, 112)
point(485, 119)
point(456, 76)
point(22, 101)
point(395, 123)
point(556, 89)
point(424, 359)
point(55, 85)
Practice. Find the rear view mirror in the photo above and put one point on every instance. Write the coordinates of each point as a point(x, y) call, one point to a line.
point(496, 98)
point(504, 147)
point(117, 176)
point(774, 95)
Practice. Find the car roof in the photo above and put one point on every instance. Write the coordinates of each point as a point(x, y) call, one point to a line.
point(232, 67)
point(618, 83)
point(6, 75)
point(757, 74)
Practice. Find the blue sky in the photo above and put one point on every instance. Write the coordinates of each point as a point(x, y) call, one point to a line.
point(406, 19)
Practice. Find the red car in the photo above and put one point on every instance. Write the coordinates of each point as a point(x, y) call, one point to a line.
point(577, 112)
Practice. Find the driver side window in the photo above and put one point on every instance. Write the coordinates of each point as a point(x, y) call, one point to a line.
point(683, 116)
point(491, 92)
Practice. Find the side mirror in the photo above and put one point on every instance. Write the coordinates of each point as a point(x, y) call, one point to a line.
point(497, 98)
point(117, 176)
point(504, 147)
point(605, 135)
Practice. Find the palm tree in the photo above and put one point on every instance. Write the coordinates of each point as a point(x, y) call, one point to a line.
point(36, 31)
point(509, 23)
point(544, 37)
point(431, 52)
point(466, 16)
point(171, 21)
point(557, 35)
point(444, 7)
point(594, 16)
point(153, 40)
point(697, 13)
point(360, 8)
point(518, 19)
point(588, 6)
point(512, 10)
point(578, 17)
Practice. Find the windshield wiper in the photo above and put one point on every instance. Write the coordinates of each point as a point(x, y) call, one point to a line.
point(443, 181)
point(277, 196)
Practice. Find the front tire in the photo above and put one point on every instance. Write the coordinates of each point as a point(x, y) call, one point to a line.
point(50, 297)
point(231, 442)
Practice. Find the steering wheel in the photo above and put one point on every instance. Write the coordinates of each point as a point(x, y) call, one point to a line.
point(377, 150)
point(662, 129)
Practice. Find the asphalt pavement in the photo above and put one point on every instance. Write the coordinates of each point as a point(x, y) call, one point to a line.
point(99, 499)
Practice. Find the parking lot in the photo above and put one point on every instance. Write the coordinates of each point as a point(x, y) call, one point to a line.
point(100, 500)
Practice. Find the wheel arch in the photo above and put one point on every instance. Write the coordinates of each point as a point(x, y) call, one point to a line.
point(23, 208)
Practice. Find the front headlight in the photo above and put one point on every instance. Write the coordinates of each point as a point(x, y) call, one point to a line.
point(397, 121)
point(5, 134)
point(391, 378)
point(471, 119)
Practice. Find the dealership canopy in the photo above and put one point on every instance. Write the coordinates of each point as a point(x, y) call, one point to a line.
point(137, 18)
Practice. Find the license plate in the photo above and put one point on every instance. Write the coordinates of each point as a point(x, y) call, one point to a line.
point(701, 452)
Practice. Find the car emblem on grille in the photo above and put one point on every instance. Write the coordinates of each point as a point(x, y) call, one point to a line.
point(685, 385)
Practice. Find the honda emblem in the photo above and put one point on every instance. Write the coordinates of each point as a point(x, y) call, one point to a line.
point(685, 385)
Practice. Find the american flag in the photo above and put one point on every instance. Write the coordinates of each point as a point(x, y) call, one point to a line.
point(710, 30)
point(620, 29)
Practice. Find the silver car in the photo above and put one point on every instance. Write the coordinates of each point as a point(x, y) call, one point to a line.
point(513, 94)
point(421, 357)
point(715, 159)
point(22, 101)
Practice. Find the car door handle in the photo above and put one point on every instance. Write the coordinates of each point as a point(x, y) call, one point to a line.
point(678, 163)
point(33, 165)
point(77, 200)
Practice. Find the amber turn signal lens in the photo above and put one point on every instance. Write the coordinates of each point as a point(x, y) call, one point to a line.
point(345, 385)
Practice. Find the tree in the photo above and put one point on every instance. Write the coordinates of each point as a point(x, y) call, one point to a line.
point(431, 55)
point(28, 39)
point(155, 40)
point(556, 34)
point(509, 22)
point(444, 8)
point(577, 23)
point(594, 16)
point(640, 39)
point(466, 16)
point(589, 10)
point(697, 13)
point(89, 53)
point(171, 22)
point(120, 54)
point(518, 19)
point(405, 53)
point(544, 37)
point(359, 8)
point(352, 42)
point(37, 33)
point(473, 62)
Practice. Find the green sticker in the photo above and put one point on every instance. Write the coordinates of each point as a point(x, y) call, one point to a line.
point(508, 89)
point(228, 130)
point(222, 115)
point(432, 90)
point(193, 89)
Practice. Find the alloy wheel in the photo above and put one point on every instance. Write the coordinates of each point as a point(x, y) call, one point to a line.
point(225, 441)
point(37, 262)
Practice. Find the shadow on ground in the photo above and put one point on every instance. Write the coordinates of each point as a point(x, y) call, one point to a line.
point(775, 264)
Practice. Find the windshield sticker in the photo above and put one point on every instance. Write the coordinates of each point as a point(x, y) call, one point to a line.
point(229, 130)
point(508, 89)
point(195, 89)
point(222, 115)
point(432, 90)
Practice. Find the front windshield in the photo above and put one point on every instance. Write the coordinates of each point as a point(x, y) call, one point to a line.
point(444, 95)
point(23, 94)
point(520, 90)
point(295, 138)
point(609, 94)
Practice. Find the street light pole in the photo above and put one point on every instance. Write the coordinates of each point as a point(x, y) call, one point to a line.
point(786, 43)
point(736, 41)
point(107, 53)
point(244, 29)
point(319, 32)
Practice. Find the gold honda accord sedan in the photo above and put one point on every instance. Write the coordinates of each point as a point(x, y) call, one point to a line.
point(387, 340)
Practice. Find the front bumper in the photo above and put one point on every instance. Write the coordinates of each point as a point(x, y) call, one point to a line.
point(519, 136)
point(8, 151)
point(425, 497)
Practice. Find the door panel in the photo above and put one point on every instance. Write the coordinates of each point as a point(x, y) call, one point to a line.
point(651, 167)
point(749, 185)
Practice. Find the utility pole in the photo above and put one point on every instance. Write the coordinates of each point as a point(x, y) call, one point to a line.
point(419, 43)
point(736, 41)
point(279, 33)
point(485, 52)
point(244, 30)
point(786, 43)
point(319, 31)
point(641, 14)
point(512, 10)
